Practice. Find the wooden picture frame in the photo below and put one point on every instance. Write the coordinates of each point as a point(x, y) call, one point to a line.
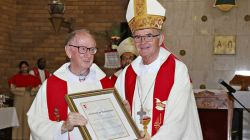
point(107, 117)
point(224, 45)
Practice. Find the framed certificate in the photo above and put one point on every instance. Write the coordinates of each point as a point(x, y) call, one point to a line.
point(107, 117)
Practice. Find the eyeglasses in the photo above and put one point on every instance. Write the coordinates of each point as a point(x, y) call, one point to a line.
point(83, 49)
point(147, 38)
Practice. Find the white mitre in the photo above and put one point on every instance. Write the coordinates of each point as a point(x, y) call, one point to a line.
point(143, 14)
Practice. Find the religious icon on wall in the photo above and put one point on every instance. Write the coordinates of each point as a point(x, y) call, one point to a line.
point(224, 45)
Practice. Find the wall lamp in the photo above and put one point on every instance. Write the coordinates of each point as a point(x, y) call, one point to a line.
point(56, 11)
point(225, 5)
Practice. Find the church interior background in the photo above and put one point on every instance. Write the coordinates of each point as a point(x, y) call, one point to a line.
point(190, 30)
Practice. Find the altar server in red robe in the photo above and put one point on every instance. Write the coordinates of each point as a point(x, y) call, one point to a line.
point(24, 87)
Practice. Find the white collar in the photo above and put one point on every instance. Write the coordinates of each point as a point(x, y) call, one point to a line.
point(63, 73)
point(74, 78)
point(140, 68)
point(150, 68)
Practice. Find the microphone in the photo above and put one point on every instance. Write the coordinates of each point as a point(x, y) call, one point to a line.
point(230, 91)
point(229, 88)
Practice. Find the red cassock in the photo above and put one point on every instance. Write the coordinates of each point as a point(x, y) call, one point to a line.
point(21, 80)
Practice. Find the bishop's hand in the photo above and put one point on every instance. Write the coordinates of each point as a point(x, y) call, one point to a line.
point(74, 119)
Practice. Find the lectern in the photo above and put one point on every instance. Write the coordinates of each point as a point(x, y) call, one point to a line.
point(241, 80)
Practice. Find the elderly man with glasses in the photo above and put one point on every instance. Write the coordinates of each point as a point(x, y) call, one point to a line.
point(156, 84)
point(48, 116)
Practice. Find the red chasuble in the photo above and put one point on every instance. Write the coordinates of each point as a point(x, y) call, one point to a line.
point(163, 85)
point(36, 73)
point(56, 91)
point(21, 80)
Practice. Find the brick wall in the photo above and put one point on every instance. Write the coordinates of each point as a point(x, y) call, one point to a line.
point(32, 36)
point(7, 25)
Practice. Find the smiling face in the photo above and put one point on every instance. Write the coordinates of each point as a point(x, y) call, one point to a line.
point(79, 61)
point(148, 44)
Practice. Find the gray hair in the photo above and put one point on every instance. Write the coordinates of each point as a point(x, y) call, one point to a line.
point(72, 35)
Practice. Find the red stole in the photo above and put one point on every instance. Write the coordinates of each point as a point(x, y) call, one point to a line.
point(56, 91)
point(36, 73)
point(113, 78)
point(21, 80)
point(163, 85)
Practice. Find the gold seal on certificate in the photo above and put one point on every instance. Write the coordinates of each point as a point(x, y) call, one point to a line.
point(106, 115)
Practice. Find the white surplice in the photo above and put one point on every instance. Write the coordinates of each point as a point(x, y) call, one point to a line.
point(42, 128)
point(181, 121)
point(41, 74)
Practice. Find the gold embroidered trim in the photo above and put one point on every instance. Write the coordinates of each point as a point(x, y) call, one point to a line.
point(140, 7)
point(158, 122)
point(146, 21)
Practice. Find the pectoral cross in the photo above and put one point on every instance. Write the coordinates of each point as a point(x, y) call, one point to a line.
point(141, 113)
point(82, 78)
